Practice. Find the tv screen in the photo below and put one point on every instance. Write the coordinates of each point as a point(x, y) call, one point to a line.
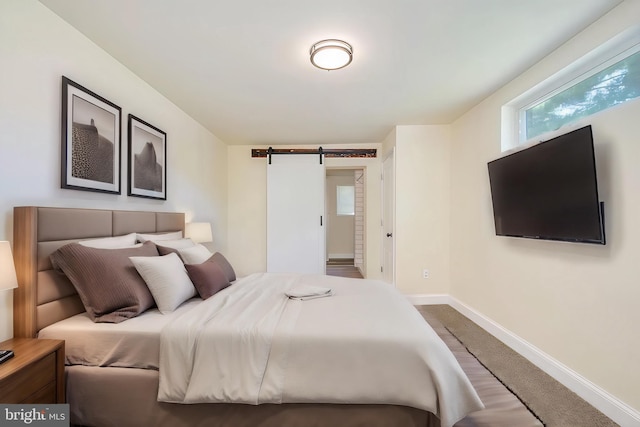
point(549, 191)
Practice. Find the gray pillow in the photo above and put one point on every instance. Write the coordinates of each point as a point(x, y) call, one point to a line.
point(106, 280)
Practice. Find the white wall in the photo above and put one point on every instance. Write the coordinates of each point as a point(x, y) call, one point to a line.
point(247, 204)
point(36, 49)
point(422, 208)
point(577, 303)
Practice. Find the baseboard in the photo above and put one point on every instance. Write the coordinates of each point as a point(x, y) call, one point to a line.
point(341, 256)
point(606, 403)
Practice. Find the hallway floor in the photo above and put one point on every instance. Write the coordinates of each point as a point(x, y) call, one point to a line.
point(343, 268)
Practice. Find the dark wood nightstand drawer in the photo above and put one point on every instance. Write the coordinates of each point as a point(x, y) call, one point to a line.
point(47, 394)
point(35, 374)
point(20, 386)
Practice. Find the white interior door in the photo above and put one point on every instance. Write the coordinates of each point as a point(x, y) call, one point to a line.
point(388, 210)
point(295, 214)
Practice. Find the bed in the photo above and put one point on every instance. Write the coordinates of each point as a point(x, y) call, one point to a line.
point(118, 383)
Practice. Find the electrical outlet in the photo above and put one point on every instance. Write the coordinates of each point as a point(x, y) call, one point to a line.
point(425, 274)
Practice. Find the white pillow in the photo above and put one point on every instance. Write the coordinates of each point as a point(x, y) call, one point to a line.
point(196, 254)
point(176, 244)
point(118, 242)
point(167, 280)
point(157, 237)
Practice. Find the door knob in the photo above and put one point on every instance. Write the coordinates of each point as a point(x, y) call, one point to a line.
point(389, 234)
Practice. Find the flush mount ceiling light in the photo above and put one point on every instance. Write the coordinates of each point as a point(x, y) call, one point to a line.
point(331, 54)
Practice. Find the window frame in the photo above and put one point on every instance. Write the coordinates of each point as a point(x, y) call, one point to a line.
point(513, 121)
point(338, 199)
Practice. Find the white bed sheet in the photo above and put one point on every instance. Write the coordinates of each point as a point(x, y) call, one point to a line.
point(134, 343)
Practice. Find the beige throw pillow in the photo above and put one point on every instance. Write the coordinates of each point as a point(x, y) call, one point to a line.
point(167, 280)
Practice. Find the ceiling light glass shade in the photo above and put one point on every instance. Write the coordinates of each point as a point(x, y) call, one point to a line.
point(331, 54)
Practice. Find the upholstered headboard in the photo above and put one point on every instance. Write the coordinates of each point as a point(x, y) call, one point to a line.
point(45, 296)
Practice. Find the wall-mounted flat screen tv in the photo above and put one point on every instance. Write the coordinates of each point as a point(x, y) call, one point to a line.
point(549, 191)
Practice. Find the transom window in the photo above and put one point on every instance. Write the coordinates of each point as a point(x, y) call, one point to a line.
point(614, 85)
point(606, 77)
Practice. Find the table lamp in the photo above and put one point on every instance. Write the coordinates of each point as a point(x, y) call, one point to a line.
point(8, 281)
point(199, 232)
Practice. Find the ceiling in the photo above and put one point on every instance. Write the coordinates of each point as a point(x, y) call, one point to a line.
point(241, 68)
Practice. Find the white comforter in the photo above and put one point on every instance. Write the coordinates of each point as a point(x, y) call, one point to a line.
point(364, 344)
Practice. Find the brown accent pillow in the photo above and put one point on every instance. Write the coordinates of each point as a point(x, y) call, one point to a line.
point(165, 250)
point(106, 280)
point(207, 277)
point(224, 265)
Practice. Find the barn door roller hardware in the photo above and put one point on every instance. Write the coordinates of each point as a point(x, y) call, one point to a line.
point(331, 152)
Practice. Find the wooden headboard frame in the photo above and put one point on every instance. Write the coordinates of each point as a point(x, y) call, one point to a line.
point(45, 296)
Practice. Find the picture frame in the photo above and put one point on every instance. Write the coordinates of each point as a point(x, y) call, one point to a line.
point(91, 140)
point(147, 160)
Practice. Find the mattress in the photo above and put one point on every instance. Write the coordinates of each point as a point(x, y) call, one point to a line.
point(134, 343)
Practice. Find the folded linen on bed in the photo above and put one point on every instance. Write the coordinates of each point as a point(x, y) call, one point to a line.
point(366, 344)
point(305, 292)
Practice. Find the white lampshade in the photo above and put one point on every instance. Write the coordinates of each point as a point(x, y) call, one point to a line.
point(8, 278)
point(199, 232)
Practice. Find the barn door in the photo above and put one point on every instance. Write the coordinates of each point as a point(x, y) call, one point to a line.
point(295, 214)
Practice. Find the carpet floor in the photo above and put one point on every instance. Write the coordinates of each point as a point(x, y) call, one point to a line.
point(545, 399)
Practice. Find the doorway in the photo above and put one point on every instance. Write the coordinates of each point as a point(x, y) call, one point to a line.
point(345, 222)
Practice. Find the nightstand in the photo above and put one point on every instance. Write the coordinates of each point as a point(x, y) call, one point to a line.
point(35, 374)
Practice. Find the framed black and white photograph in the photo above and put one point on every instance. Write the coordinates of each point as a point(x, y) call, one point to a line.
point(147, 169)
point(91, 130)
